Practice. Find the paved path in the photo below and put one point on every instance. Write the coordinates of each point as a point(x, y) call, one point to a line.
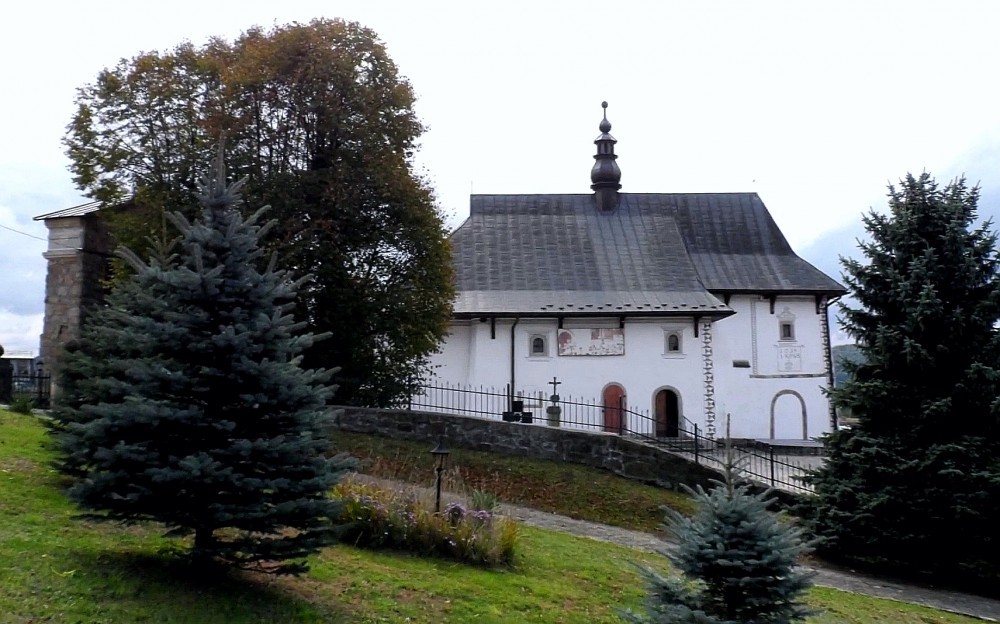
point(827, 576)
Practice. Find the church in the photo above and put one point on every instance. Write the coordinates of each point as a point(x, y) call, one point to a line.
point(685, 306)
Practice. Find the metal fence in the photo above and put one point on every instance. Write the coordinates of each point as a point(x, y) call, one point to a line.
point(760, 463)
point(36, 387)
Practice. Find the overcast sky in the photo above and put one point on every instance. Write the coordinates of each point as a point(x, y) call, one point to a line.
point(815, 106)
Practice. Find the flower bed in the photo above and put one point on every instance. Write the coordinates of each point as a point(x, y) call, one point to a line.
point(381, 518)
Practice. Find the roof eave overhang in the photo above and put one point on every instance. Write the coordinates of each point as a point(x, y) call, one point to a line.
point(782, 292)
point(714, 314)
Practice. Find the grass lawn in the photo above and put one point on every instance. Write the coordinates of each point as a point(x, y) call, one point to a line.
point(56, 568)
point(571, 490)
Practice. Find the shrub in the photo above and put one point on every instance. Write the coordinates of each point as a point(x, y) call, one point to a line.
point(484, 500)
point(22, 404)
point(381, 518)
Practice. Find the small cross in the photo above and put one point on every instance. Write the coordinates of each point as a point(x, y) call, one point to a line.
point(555, 383)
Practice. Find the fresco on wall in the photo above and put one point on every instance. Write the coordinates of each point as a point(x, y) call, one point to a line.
point(600, 341)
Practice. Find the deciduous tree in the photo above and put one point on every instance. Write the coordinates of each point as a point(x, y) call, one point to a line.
point(318, 119)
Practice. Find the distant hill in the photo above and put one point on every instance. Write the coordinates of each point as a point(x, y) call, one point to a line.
point(843, 353)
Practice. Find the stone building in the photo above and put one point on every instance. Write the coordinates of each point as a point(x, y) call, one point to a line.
point(77, 258)
point(684, 306)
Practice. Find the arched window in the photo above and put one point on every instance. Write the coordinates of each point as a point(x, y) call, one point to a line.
point(538, 346)
point(672, 342)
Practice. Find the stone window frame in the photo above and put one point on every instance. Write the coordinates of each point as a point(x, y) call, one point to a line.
point(786, 331)
point(532, 341)
point(678, 334)
point(786, 326)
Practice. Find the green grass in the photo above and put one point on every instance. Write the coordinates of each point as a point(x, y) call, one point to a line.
point(571, 490)
point(59, 569)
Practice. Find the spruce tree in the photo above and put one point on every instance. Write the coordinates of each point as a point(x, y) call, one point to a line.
point(184, 401)
point(915, 485)
point(738, 561)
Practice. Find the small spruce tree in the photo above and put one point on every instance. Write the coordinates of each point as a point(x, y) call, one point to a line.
point(738, 561)
point(914, 486)
point(184, 403)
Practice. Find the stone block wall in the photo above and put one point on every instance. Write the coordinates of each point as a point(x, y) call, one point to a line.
point(611, 452)
point(77, 265)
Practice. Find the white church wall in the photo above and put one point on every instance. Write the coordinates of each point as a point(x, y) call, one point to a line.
point(469, 356)
point(764, 388)
point(770, 378)
point(457, 351)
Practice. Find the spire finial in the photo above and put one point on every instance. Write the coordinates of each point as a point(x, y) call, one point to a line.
point(606, 176)
point(605, 124)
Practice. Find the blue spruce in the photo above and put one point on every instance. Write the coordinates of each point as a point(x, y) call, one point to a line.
point(737, 559)
point(184, 402)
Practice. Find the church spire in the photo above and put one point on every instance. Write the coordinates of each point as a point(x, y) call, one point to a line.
point(605, 176)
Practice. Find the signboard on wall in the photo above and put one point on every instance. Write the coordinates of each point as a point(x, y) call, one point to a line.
point(599, 341)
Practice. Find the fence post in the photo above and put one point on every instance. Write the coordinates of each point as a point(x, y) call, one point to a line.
point(697, 444)
point(6, 380)
point(621, 415)
point(772, 464)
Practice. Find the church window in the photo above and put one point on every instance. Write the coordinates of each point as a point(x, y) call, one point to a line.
point(787, 330)
point(786, 326)
point(673, 342)
point(538, 346)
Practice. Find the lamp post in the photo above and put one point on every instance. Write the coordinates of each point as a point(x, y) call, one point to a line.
point(440, 452)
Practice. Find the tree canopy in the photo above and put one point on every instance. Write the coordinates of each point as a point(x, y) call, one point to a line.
point(915, 484)
point(318, 120)
point(184, 401)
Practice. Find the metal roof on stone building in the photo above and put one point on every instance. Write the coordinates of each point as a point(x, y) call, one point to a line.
point(653, 255)
point(75, 211)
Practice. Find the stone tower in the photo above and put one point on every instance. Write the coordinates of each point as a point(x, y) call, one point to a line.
point(77, 256)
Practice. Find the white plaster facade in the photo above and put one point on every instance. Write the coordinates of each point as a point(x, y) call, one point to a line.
point(770, 384)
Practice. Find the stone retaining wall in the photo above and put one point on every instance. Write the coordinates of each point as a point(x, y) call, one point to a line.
point(601, 450)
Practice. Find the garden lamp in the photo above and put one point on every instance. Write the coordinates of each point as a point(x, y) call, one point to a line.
point(440, 452)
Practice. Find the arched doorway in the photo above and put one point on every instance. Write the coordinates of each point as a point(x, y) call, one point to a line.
point(668, 414)
point(788, 416)
point(613, 399)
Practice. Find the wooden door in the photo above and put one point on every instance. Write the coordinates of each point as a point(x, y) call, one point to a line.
point(614, 401)
point(667, 414)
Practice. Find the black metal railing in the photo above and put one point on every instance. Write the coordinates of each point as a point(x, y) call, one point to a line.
point(36, 387)
point(763, 465)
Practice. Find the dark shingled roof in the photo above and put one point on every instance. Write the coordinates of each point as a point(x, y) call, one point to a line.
point(656, 254)
point(75, 211)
